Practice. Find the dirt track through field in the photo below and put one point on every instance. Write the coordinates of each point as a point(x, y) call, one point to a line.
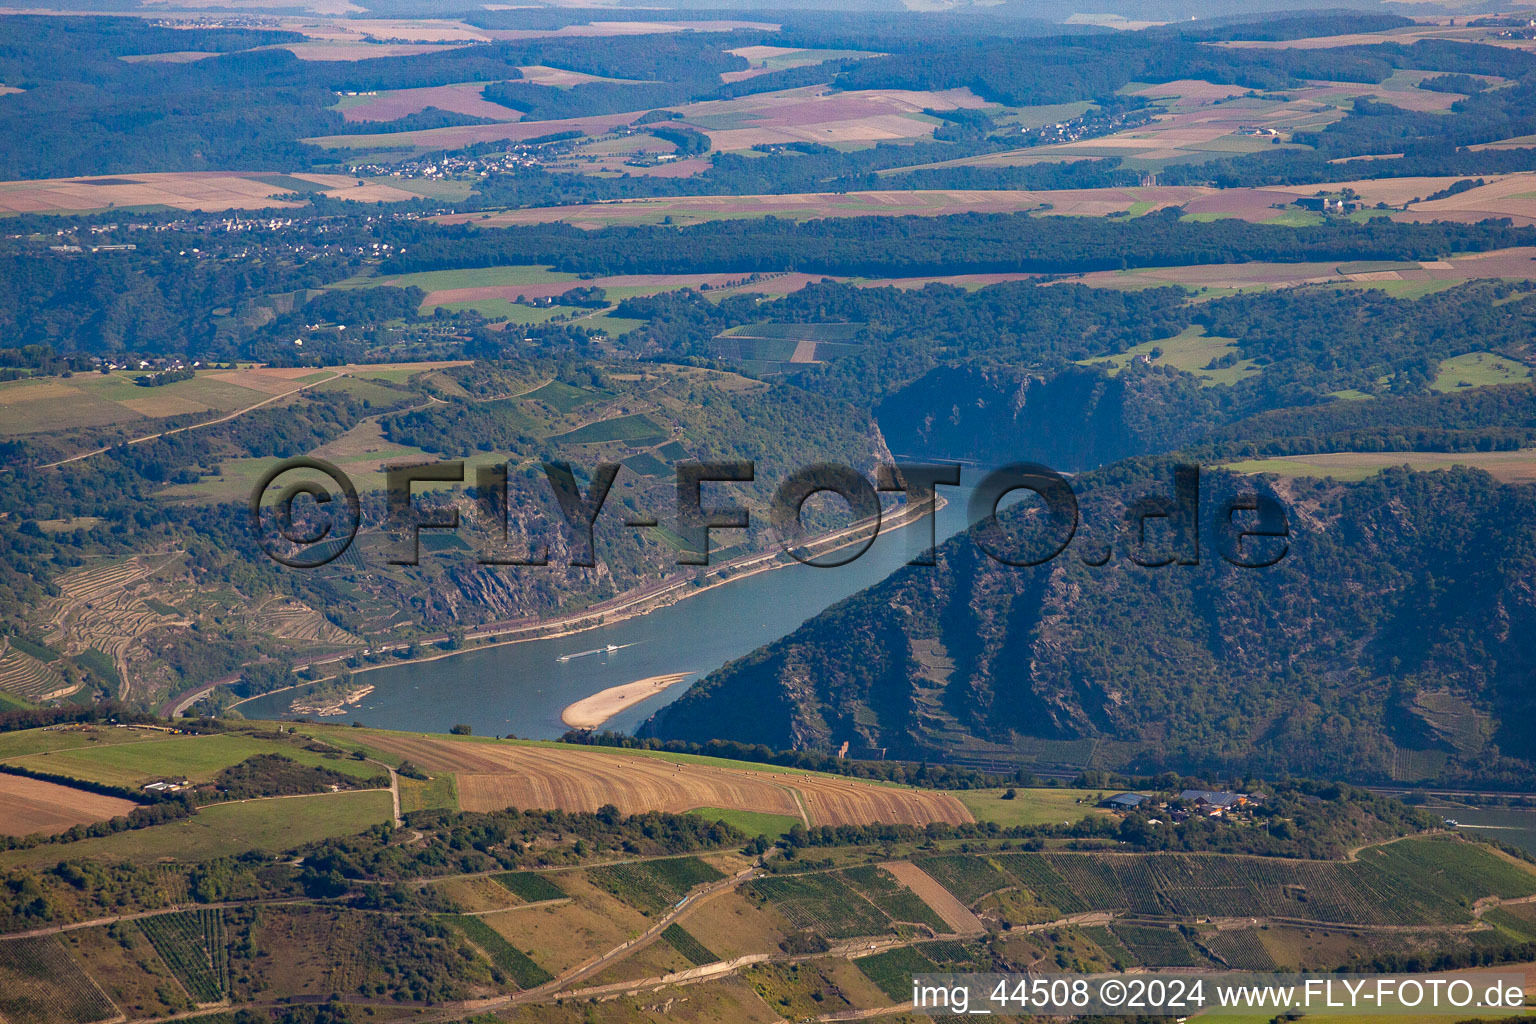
point(494, 776)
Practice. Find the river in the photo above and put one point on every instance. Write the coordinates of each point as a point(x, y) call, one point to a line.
point(520, 689)
point(1513, 825)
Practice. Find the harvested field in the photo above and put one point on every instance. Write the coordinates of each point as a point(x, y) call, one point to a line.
point(1398, 191)
point(32, 805)
point(777, 58)
point(620, 287)
point(458, 137)
point(1244, 203)
point(819, 115)
point(970, 282)
point(878, 203)
point(1512, 264)
point(1512, 196)
point(498, 775)
point(170, 57)
point(363, 51)
point(208, 191)
point(540, 74)
point(393, 104)
point(812, 114)
point(630, 28)
point(1189, 91)
point(1406, 34)
point(1518, 467)
point(1194, 127)
point(405, 30)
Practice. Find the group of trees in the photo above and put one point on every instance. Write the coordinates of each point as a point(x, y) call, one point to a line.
point(961, 243)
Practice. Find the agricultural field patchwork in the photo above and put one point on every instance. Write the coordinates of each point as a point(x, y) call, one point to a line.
point(771, 348)
point(91, 400)
point(196, 758)
point(813, 114)
point(227, 829)
point(895, 900)
point(209, 191)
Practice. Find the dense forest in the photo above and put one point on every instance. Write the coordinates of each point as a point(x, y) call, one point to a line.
point(1370, 638)
point(962, 243)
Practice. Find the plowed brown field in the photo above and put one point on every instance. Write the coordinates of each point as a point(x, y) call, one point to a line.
point(492, 776)
point(32, 805)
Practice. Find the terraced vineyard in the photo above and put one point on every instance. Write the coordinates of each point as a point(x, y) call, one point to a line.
point(98, 608)
point(293, 620)
point(654, 886)
point(41, 984)
point(193, 946)
point(1039, 877)
point(1420, 881)
point(25, 676)
point(510, 960)
point(892, 970)
point(1159, 947)
point(1110, 943)
point(1241, 950)
point(951, 953)
point(529, 886)
point(824, 904)
point(969, 878)
point(895, 899)
point(691, 948)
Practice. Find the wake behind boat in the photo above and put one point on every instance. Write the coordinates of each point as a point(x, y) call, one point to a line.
point(596, 650)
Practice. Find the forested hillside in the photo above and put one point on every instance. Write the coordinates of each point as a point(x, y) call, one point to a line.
point(1393, 632)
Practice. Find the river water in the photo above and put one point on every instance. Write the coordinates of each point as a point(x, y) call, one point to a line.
point(1513, 825)
point(520, 689)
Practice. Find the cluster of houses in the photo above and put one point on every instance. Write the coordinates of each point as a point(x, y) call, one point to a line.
point(443, 168)
point(1209, 803)
point(1090, 125)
